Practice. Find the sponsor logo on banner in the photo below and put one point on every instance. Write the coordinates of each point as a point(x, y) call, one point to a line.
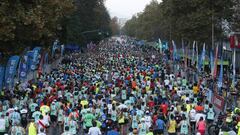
point(33, 67)
point(218, 101)
point(23, 74)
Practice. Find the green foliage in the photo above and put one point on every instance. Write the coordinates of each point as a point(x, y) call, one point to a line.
point(90, 15)
point(236, 16)
point(181, 19)
point(27, 22)
point(39, 22)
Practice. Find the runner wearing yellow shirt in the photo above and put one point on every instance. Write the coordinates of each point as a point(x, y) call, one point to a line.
point(188, 106)
point(84, 102)
point(44, 109)
point(195, 89)
point(172, 126)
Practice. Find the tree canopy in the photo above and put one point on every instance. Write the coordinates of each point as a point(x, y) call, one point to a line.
point(186, 19)
point(91, 18)
point(39, 22)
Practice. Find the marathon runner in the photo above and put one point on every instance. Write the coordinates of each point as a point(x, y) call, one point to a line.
point(117, 89)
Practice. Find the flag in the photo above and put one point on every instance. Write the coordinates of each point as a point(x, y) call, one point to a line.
point(193, 53)
point(62, 49)
point(234, 67)
point(197, 56)
point(211, 62)
point(165, 46)
point(41, 64)
point(204, 55)
point(29, 60)
point(174, 51)
point(2, 73)
point(202, 59)
point(186, 58)
point(35, 58)
point(183, 51)
point(46, 59)
point(54, 47)
point(220, 79)
point(160, 45)
point(23, 68)
point(45, 62)
point(11, 70)
point(215, 63)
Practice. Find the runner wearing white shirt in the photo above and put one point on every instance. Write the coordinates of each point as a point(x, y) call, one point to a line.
point(46, 119)
point(41, 124)
point(2, 124)
point(94, 130)
point(172, 77)
point(166, 82)
point(148, 120)
point(192, 119)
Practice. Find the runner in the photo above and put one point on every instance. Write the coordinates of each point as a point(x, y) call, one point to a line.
point(119, 87)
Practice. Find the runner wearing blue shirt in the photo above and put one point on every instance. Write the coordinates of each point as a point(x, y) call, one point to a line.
point(113, 132)
point(160, 125)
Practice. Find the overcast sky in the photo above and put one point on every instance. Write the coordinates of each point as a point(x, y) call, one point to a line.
point(126, 8)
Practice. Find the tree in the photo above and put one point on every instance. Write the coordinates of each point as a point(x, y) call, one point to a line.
point(90, 15)
point(186, 19)
point(115, 28)
point(236, 16)
point(25, 23)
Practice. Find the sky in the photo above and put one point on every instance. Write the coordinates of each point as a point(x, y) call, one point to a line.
point(125, 8)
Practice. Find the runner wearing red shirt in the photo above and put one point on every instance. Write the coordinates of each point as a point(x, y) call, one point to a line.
point(164, 108)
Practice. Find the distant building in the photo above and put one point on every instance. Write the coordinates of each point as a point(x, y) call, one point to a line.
point(122, 21)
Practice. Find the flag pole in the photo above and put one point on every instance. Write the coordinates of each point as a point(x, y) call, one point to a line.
point(234, 67)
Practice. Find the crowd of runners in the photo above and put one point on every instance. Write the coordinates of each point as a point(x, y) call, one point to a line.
point(117, 89)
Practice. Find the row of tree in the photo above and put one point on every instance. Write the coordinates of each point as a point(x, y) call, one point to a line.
point(39, 22)
point(185, 19)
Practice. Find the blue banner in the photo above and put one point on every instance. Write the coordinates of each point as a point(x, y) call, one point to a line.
point(46, 59)
point(35, 58)
point(2, 73)
point(11, 70)
point(54, 47)
point(62, 49)
point(209, 94)
point(220, 79)
point(29, 60)
point(23, 67)
point(175, 57)
point(211, 62)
